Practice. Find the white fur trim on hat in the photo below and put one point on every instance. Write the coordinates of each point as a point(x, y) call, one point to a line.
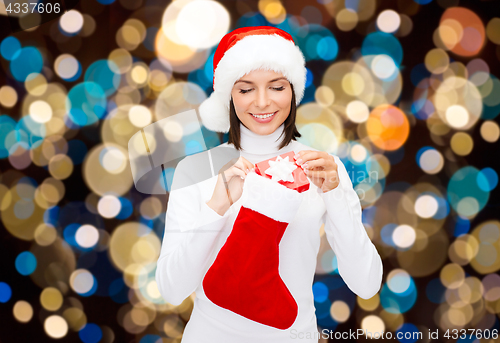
point(270, 52)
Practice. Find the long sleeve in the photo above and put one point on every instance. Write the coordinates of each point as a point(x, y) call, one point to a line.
point(359, 262)
point(191, 229)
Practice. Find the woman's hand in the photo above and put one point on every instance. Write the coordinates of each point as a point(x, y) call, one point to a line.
point(233, 176)
point(320, 168)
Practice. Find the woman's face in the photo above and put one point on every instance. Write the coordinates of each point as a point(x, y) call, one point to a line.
point(262, 93)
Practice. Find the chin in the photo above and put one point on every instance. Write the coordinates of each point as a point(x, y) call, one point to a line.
point(264, 129)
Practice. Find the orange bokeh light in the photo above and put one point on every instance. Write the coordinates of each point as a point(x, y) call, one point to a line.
point(471, 39)
point(387, 127)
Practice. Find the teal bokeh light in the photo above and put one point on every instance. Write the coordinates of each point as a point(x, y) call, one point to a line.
point(316, 42)
point(30, 132)
point(7, 129)
point(9, 47)
point(465, 194)
point(86, 103)
point(378, 43)
point(398, 302)
point(25, 263)
point(487, 179)
point(167, 176)
point(150, 338)
point(105, 74)
point(327, 48)
point(26, 61)
point(491, 102)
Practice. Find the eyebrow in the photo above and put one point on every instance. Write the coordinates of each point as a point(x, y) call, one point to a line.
point(273, 80)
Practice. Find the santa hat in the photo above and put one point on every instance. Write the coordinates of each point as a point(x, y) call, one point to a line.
point(241, 51)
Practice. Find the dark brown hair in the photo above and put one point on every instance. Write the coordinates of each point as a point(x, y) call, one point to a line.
point(290, 130)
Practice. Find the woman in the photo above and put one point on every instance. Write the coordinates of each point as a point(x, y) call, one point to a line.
point(252, 256)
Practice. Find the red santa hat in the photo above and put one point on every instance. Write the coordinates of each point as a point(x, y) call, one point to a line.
point(241, 51)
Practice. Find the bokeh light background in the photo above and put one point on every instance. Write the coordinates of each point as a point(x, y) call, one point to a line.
point(407, 90)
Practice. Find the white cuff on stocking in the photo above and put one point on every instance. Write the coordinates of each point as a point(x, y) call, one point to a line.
point(270, 198)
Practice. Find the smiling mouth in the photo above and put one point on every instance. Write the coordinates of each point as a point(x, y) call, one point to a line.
point(264, 116)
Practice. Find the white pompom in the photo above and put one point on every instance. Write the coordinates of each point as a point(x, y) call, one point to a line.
point(214, 113)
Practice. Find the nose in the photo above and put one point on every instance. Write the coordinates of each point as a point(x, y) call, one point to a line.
point(262, 100)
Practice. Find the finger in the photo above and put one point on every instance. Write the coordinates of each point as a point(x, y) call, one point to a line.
point(307, 155)
point(300, 153)
point(248, 165)
point(329, 177)
point(228, 165)
point(318, 181)
point(240, 172)
point(241, 165)
point(321, 174)
point(234, 171)
point(320, 162)
point(244, 165)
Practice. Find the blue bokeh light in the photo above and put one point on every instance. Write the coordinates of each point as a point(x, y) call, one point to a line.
point(352, 5)
point(106, 2)
point(462, 226)
point(5, 292)
point(418, 73)
point(193, 147)
point(487, 179)
point(168, 175)
point(7, 128)
point(126, 209)
point(86, 103)
point(377, 43)
point(9, 47)
point(25, 263)
point(320, 292)
point(105, 74)
point(90, 333)
point(327, 48)
point(118, 291)
point(30, 132)
point(386, 234)
point(149, 338)
point(408, 333)
point(309, 77)
point(398, 302)
point(435, 291)
point(251, 19)
point(26, 61)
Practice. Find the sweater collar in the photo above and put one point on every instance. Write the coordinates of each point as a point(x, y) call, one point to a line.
point(254, 143)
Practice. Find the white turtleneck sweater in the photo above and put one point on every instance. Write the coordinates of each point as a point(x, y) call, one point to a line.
point(194, 234)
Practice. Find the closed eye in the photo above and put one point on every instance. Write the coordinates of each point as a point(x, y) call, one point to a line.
point(243, 91)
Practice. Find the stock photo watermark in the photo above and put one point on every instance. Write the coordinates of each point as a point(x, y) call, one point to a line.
point(469, 334)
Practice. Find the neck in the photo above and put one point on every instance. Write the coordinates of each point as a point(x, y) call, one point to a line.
point(255, 144)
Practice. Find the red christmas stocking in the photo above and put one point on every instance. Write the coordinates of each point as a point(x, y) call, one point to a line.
point(244, 278)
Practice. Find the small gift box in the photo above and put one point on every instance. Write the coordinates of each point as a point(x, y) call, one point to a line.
point(285, 171)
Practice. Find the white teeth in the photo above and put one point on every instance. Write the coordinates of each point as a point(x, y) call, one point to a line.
point(263, 117)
